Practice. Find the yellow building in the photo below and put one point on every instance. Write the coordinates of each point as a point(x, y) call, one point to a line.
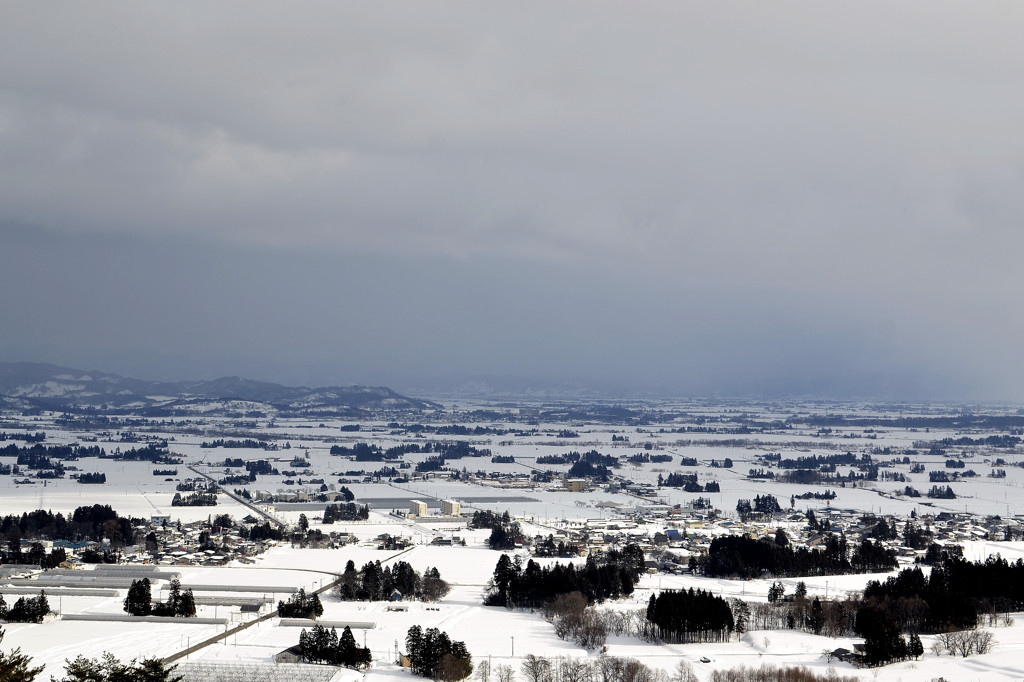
point(417, 508)
point(450, 508)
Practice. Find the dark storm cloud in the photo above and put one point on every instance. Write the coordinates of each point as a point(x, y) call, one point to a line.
point(703, 197)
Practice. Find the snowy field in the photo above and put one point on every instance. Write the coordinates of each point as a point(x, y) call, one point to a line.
point(491, 633)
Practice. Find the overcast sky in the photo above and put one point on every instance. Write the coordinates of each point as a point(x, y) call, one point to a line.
point(692, 198)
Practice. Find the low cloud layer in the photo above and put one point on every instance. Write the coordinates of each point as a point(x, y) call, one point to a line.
point(792, 196)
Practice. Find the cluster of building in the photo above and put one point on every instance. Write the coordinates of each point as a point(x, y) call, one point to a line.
point(682, 532)
point(449, 508)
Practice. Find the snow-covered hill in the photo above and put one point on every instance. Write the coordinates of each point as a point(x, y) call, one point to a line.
point(47, 386)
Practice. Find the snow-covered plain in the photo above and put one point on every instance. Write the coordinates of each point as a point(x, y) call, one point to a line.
point(492, 633)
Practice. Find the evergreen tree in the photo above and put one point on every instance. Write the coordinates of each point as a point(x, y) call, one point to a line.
point(502, 581)
point(432, 586)
point(916, 648)
point(690, 615)
point(347, 647)
point(883, 642)
point(816, 621)
point(187, 605)
point(299, 605)
point(140, 598)
point(741, 616)
point(611, 577)
point(109, 669)
point(174, 598)
point(433, 654)
point(16, 666)
point(28, 609)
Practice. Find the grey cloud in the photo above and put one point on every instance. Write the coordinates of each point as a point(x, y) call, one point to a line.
point(176, 307)
point(762, 187)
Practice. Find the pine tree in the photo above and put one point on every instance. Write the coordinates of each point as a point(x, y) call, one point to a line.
point(153, 670)
point(15, 666)
point(916, 648)
point(347, 647)
point(42, 606)
point(174, 599)
point(817, 618)
point(139, 599)
point(109, 669)
point(741, 616)
point(187, 605)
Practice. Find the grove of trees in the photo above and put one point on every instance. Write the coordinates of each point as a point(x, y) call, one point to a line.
point(433, 654)
point(374, 583)
point(740, 556)
point(613, 576)
point(321, 645)
point(139, 601)
point(690, 616)
point(25, 609)
point(347, 511)
point(301, 605)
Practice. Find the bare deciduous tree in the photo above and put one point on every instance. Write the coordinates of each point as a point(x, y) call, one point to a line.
point(504, 673)
point(483, 671)
point(536, 669)
point(964, 643)
point(574, 670)
point(684, 672)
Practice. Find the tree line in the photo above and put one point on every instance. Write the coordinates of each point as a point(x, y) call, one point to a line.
point(367, 452)
point(196, 499)
point(951, 602)
point(740, 556)
point(347, 511)
point(954, 596)
point(613, 576)
point(435, 655)
point(504, 530)
point(25, 609)
point(37, 437)
point(301, 605)
point(690, 616)
point(139, 601)
point(375, 583)
point(242, 443)
point(93, 522)
point(688, 482)
point(321, 645)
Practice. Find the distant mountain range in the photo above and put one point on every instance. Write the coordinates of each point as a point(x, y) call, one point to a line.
point(28, 386)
